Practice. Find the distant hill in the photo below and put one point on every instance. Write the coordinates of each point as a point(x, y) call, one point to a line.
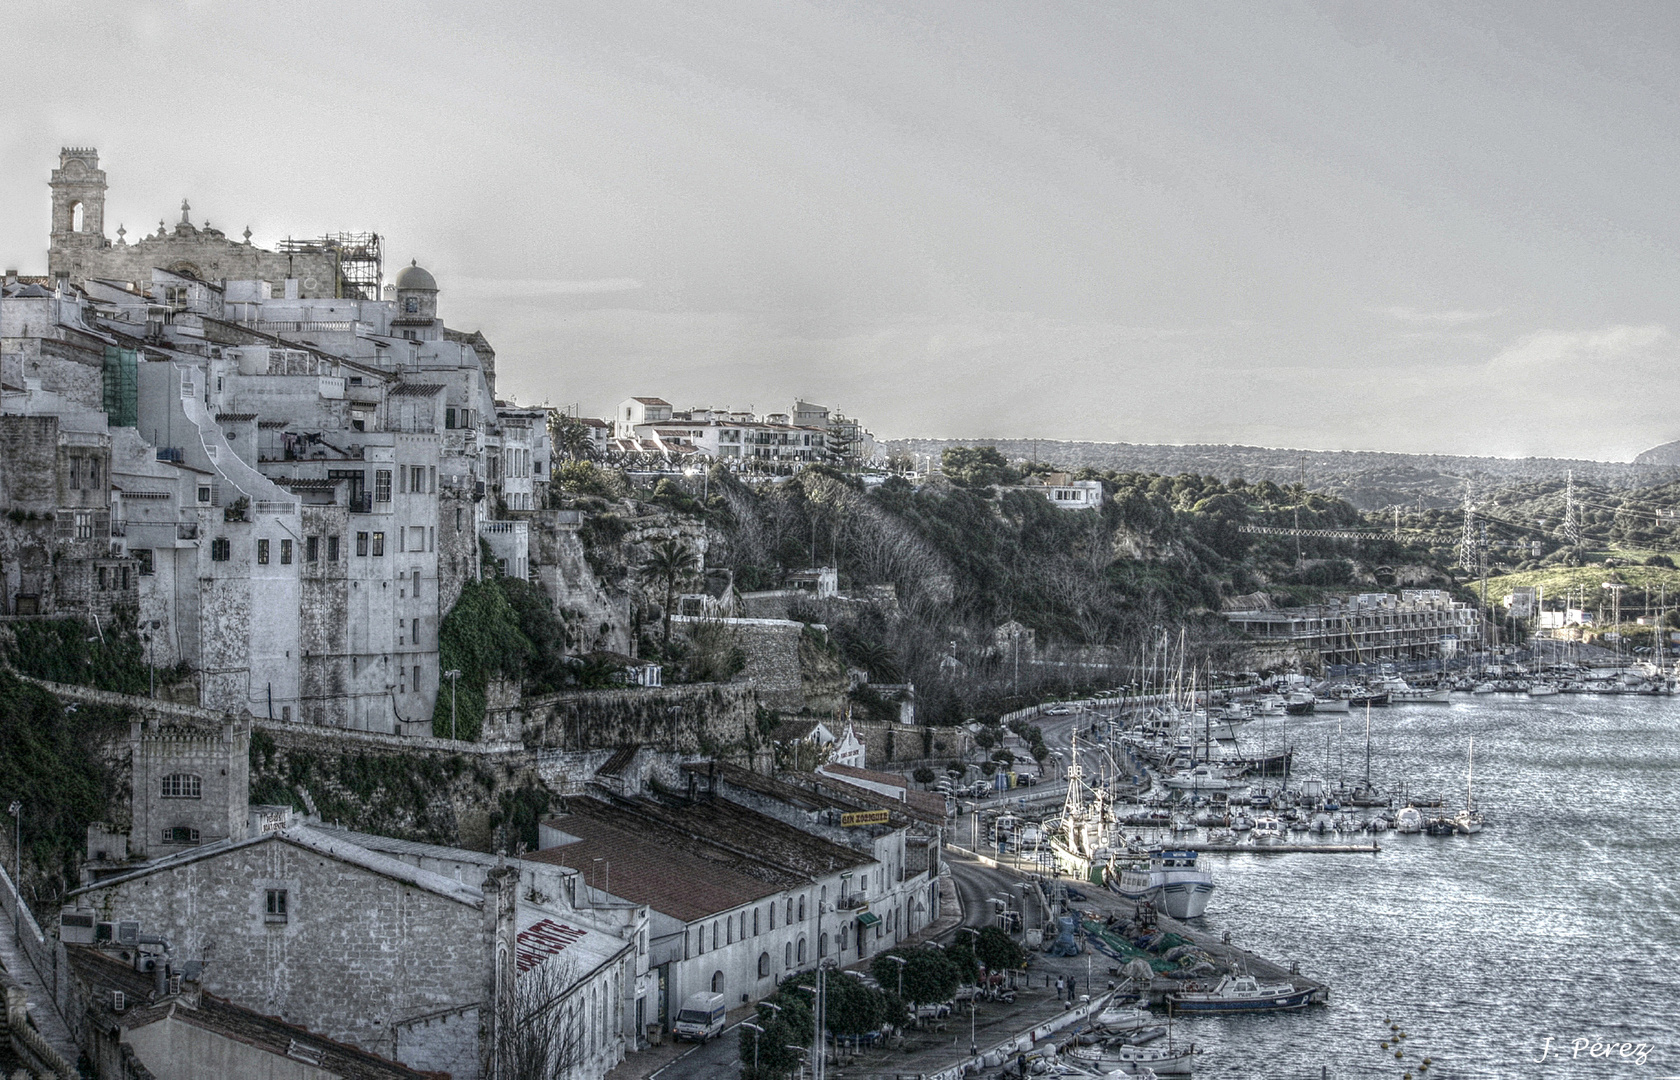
point(1369, 480)
point(1668, 454)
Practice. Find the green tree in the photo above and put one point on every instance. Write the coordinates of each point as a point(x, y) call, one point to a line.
point(928, 975)
point(670, 561)
point(923, 775)
point(976, 466)
point(997, 951)
point(568, 435)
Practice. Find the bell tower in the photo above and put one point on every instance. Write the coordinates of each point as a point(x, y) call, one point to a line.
point(78, 206)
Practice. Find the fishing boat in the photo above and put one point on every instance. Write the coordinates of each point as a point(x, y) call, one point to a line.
point(1300, 704)
point(1368, 697)
point(1171, 880)
point(1416, 695)
point(1132, 1061)
point(1268, 829)
point(1241, 994)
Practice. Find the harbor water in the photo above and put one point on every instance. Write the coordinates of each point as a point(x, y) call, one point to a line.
point(1559, 921)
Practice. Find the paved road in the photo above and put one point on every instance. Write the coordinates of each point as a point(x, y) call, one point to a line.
point(717, 1060)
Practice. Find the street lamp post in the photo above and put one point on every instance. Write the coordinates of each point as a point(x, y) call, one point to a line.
point(901, 962)
point(757, 1031)
point(453, 676)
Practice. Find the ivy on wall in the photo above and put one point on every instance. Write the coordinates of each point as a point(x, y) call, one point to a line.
point(52, 761)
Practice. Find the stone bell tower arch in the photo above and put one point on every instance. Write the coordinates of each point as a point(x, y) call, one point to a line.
point(78, 208)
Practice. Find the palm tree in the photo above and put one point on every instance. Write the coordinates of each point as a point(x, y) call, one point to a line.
point(671, 561)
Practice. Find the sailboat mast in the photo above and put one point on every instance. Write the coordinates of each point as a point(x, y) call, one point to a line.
point(1469, 772)
point(1367, 746)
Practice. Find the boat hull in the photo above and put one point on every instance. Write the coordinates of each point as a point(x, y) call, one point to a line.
point(1185, 899)
point(1300, 999)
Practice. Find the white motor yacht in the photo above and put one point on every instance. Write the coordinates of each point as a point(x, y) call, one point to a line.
point(1409, 820)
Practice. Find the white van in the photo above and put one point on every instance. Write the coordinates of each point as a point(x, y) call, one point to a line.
point(700, 1018)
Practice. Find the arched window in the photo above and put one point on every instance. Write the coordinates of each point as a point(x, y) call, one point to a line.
point(717, 982)
point(822, 945)
point(801, 950)
point(801, 909)
point(700, 937)
point(714, 934)
point(787, 955)
point(729, 930)
point(789, 910)
point(755, 922)
point(78, 218)
point(763, 964)
point(183, 786)
point(845, 935)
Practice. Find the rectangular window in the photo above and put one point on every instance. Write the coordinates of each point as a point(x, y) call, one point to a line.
point(379, 543)
point(144, 558)
point(75, 474)
point(382, 485)
point(332, 548)
point(203, 494)
point(93, 473)
point(262, 552)
point(414, 634)
point(285, 553)
point(449, 419)
point(311, 548)
point(415, 578)
point(417, 478)
point(221, 549)
point(102, 586)
point(180, 834)
point(457, 519)
point(274, 906)
point(431, 483)
point(416, 678)
point(182, 786)
point(361, 543)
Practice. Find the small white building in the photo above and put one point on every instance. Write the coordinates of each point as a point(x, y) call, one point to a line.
point(638, 411)
point(1066, 493)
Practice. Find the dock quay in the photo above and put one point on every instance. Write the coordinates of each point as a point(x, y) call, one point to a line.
point(1286, 849)
point(1238, 959)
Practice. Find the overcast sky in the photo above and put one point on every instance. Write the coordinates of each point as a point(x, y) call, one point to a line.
point(1447, 228)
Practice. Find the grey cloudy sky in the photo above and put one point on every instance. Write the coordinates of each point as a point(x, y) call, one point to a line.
point(1421, 227)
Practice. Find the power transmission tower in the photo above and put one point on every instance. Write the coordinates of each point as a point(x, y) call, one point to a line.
point(1467, 546)
point(1571, 527)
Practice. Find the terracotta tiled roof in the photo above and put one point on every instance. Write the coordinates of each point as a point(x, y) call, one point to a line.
point(690, 861)
point(925, 804)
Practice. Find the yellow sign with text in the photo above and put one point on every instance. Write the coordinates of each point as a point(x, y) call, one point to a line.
point(864, 817)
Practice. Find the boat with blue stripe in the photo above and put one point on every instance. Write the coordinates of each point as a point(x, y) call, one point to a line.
point(1241, 994)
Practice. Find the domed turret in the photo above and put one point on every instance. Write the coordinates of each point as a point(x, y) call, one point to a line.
point(415, 277)
point(416, 294)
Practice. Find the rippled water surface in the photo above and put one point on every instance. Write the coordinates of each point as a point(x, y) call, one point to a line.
point(1560, 919)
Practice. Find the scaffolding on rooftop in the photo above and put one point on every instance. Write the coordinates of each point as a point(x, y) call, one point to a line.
point(361, 260)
